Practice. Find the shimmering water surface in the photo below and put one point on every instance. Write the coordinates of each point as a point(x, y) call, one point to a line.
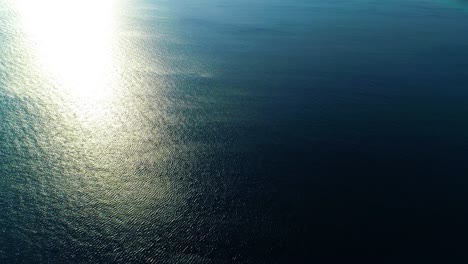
point(215, 131)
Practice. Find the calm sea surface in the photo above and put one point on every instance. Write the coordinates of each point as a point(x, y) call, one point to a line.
point(249, 131)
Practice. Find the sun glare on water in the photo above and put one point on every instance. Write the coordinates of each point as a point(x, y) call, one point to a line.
point(73, 41)
point(89, 119)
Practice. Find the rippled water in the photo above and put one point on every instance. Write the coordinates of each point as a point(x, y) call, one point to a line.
point(216, 131)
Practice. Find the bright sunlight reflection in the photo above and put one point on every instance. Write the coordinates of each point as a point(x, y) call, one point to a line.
point(73, 43)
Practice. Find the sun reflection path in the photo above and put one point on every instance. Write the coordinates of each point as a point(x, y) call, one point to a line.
point(95, 125)
point(104, 124)
point(74, 42)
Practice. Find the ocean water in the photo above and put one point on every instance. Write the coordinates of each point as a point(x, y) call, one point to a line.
point(215, 131)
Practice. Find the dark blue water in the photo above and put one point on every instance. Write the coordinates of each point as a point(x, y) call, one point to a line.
point(213, 131)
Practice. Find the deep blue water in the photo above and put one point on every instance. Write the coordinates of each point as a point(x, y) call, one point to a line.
point(215, 131)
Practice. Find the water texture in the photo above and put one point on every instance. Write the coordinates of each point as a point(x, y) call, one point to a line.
point(215, 131)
